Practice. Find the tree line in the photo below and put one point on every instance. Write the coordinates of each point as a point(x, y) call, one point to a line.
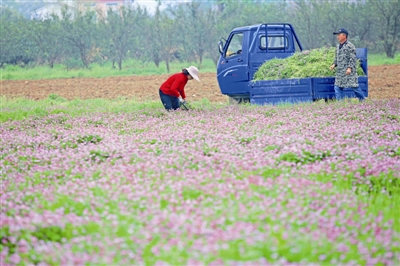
point(187, 31)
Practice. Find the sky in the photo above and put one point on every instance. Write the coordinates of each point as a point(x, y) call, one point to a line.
point(151, 5)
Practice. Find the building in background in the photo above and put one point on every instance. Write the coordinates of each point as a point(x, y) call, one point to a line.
point(55, 7)
point(49, 8)
point(102, 6)
point(41, 9)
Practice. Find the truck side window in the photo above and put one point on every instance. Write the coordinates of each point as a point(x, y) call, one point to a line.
point(274, 42)
point(235, 46)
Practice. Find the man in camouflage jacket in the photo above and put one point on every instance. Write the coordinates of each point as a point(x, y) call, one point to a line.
point(346, 66)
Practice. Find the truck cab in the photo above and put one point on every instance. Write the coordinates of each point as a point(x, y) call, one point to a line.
point(246, 49)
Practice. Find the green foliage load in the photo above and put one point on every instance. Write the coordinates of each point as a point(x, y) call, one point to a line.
point(313, 63)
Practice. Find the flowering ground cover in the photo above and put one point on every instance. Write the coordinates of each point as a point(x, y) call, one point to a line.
point(238, 185)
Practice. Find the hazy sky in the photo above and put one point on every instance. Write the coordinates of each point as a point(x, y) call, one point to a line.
point(151, 5)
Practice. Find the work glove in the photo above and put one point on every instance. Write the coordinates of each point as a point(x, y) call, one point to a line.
point(183, 105)
point(181, 101)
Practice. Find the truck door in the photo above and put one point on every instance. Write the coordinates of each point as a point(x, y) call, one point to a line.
point(233, 75)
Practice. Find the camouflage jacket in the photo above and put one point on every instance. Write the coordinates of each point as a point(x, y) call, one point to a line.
point(345, 57)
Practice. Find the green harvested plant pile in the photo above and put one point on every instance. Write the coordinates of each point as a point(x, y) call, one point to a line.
point(313, 63)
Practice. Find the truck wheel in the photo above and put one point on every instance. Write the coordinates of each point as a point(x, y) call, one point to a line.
point(238, 100)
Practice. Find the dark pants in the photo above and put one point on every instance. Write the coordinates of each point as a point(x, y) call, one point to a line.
point(358, 92)
point(169, 102)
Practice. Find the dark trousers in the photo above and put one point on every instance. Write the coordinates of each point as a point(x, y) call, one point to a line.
point(357, 91)
point(169, 102)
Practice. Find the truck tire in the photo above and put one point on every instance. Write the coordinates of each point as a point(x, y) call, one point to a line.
point(238, 100)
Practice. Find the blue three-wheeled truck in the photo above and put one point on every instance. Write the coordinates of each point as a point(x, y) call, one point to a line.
point(247, 48)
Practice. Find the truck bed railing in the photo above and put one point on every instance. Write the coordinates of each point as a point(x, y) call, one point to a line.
point(284, 35)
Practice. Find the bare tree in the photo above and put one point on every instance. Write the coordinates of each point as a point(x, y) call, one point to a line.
point(122, 28)
point(47, 36)
point(387, 12)
point(81, 31)
point(164, 36)
point(197, 29)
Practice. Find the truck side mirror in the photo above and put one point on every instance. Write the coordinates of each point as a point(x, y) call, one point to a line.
point(221, 47)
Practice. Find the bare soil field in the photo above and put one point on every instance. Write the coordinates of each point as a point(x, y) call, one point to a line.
point(384, 83)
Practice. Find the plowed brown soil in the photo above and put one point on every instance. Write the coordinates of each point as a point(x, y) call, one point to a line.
point(384, 83)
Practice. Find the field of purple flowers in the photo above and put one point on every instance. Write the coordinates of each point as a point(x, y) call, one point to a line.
point(237, 185)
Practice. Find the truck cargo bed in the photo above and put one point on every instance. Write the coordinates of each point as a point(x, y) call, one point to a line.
point(298, 90)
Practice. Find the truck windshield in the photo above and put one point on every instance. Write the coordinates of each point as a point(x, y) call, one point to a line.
point(274, 42)
point(235, 45)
